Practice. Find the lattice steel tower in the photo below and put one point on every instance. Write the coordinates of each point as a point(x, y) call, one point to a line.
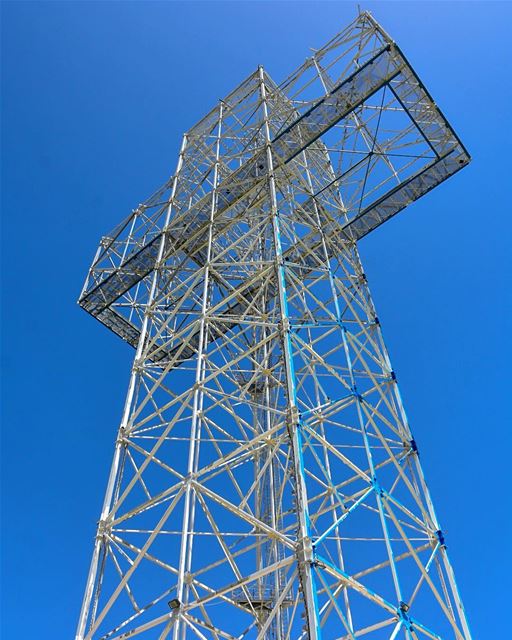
point(265, 483)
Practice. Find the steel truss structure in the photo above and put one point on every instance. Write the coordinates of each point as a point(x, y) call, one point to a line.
point(265, 483)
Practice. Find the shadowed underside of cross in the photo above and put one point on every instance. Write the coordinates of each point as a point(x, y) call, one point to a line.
point(265, 482)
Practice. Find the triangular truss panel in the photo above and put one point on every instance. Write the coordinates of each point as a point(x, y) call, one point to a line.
point(265, 483)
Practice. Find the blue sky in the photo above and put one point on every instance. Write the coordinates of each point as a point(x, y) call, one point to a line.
point(95, 99)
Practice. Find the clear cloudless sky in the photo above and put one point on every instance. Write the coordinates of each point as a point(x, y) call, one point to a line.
point(95, 97)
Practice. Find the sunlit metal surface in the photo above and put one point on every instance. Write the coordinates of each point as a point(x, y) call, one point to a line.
point(265, 482)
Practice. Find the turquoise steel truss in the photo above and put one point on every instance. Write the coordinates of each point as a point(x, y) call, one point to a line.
point(265, 483)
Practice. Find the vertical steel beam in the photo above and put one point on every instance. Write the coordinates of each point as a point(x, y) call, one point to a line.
point(100, 540)
point(304, 543)
point(187, 535)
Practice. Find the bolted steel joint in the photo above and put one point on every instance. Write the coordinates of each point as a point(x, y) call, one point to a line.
point(293, 416)
point(305, 551)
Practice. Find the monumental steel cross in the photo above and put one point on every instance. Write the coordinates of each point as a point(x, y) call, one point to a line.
point(265, 483)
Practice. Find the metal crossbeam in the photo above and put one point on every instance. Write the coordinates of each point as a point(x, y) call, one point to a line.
point(387, 68)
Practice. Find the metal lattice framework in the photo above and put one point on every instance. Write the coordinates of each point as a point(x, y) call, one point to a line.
point(265, 483)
